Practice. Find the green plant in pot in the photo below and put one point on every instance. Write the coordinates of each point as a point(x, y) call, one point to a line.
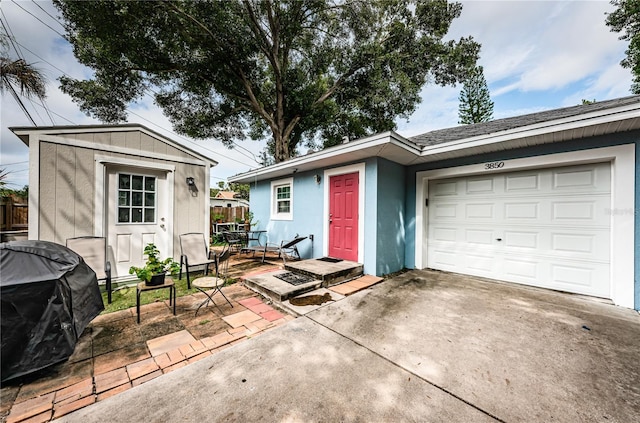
point(154, 270)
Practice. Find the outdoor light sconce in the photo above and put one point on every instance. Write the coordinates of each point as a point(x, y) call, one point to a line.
point(191, 183)
point(317, 178)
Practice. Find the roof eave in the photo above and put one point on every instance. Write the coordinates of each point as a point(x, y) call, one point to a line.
point(24, 132)
point(351, 151)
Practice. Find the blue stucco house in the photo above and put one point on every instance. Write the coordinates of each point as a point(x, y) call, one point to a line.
point(548, 199)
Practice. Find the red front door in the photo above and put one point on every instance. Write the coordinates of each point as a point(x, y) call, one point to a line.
point(343, 216)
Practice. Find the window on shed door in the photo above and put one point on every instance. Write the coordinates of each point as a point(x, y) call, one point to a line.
point(282, 199)
point(136, 198)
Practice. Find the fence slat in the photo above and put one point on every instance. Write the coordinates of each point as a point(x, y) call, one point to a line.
point(13, 216)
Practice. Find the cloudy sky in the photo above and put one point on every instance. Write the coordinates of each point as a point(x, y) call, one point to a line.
point(537, 55)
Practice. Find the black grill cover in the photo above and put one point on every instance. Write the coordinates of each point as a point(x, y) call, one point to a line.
point(48, 296)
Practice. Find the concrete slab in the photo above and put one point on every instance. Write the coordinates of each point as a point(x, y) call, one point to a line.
point(519, 353)
point(423, 346)
point(287, 374)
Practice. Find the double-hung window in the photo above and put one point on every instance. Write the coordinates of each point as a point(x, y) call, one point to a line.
point(282, 199)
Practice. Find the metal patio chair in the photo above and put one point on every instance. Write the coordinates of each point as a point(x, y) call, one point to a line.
point(194, 253)
point(286, 248)
point(93, 250)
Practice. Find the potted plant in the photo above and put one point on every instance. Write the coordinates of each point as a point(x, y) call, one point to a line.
point(154, 270)
point(218, 218)
point(248, 220)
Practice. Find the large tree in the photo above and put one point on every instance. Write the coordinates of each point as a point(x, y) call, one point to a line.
point(475, 101)
point(298, 71)
point(627, 17)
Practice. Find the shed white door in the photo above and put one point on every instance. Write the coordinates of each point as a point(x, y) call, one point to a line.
point(137, 211)
point(548, 228)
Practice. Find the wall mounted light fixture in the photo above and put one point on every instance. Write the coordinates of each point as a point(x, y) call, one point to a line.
point(191, 184)
point(317, 178)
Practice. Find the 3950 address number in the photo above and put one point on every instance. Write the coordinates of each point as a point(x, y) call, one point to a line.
point(493, 165)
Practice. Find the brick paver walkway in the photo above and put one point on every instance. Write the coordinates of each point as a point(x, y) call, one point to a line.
point(115, 354)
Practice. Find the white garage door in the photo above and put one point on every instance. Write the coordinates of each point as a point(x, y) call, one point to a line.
point(547, 227)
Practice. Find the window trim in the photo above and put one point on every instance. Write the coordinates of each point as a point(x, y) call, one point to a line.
point(274, 215)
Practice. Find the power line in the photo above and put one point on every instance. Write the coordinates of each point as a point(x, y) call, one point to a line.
point(40, 20)
point(15, 45)
point(129, 110)
point(48, 14)
point(14, 163)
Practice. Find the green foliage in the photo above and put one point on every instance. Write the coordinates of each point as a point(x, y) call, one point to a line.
point(585, 102)
point(627, 17)
point(154, 265)
point(300, 72)
point(475, 101)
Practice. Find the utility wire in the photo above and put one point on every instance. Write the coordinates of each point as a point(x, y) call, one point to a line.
point(20, 54)
point(48, 14)
point(40, 20)
point(129, 110)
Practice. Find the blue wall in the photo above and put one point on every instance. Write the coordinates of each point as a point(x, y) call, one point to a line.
point(390, 232)
point(307, 213)
point(632, 137)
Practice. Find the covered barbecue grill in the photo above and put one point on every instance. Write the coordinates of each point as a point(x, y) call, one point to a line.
point(48, 296)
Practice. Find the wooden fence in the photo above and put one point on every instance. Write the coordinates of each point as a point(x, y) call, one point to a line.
point(13, 215)
point(227, 215)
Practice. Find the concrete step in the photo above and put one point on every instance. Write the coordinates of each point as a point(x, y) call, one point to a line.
point(276, 289)
point(329, 273)
point(322, 273)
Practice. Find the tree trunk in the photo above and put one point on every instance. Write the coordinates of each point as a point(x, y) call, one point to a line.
point(281, 147)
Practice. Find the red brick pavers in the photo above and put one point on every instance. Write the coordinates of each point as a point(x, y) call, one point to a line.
point(250, 320)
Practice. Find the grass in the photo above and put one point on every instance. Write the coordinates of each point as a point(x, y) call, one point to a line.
point(125, 297)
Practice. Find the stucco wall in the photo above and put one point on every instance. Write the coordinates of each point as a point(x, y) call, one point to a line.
point(574, 145)
point(390, 238)
point(307, 213)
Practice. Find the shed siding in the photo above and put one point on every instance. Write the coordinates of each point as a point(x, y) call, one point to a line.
point(66, 192)
point(47, 190)
point(67, 185)
point(189, 214)
point(84, 213)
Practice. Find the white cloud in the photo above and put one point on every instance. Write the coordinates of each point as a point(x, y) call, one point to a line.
point(536, 56)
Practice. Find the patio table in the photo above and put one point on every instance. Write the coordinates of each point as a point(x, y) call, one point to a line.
point(143, 287)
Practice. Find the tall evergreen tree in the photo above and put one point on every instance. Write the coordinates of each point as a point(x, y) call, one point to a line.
point(475, 101)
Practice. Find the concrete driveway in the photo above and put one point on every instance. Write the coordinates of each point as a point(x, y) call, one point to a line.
point(424, 346)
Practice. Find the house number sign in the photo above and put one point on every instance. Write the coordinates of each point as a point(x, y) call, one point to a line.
point(493, 165)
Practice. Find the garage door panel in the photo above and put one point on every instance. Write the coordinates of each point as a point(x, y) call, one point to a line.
point(547, 228)
point(526, 183)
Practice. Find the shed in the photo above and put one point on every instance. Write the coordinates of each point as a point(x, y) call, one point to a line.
point(126, 183)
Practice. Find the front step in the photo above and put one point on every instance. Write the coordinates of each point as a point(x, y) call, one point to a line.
point(278, 290)
point(324, 274)
point(329, 273)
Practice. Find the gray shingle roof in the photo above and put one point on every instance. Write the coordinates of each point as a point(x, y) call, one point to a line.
point(466, 131)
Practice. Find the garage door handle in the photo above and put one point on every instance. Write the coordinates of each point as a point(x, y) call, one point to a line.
point(498, 239)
